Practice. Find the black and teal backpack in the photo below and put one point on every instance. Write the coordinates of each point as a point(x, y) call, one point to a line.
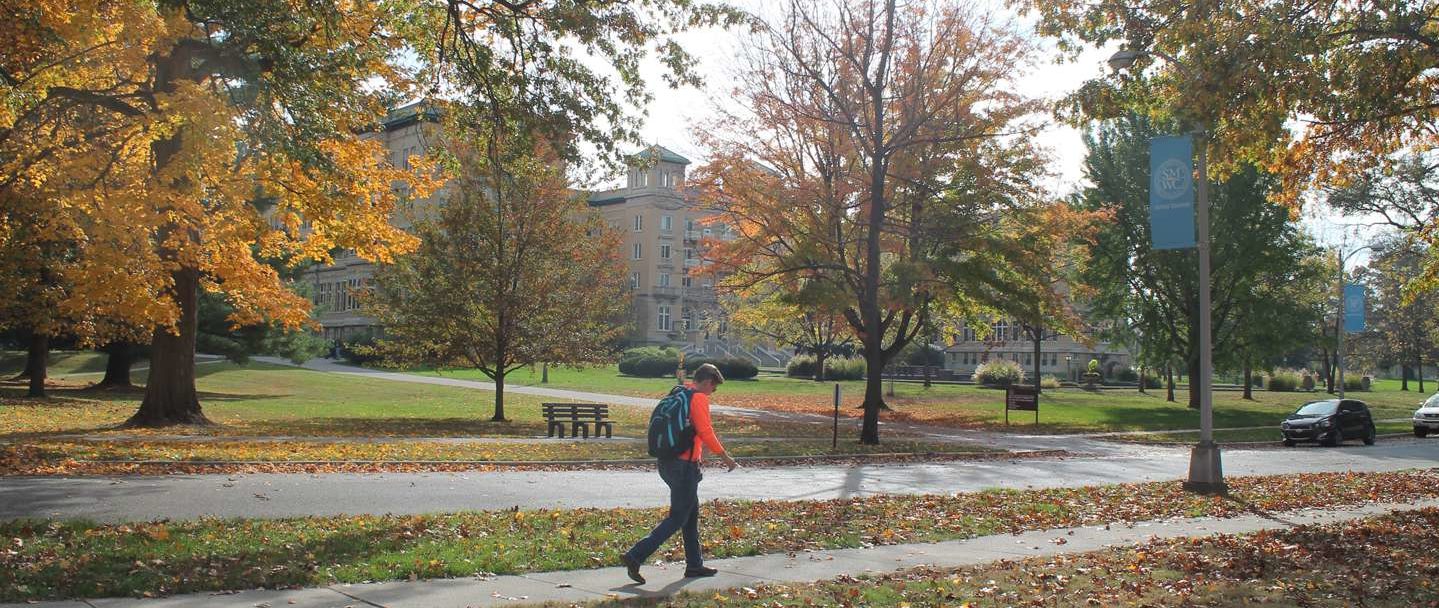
point(671, 433)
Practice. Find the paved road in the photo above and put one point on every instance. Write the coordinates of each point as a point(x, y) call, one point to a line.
point(280, 495)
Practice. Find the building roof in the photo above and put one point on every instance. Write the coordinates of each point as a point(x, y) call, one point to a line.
point(610, 197)
point(666, 155)
point(409, 114)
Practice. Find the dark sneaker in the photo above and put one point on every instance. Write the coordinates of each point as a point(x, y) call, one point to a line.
point(700, 572)
point(632, 568)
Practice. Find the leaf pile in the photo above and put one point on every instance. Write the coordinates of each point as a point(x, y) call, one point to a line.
point(1391, 560)
point(82, 559)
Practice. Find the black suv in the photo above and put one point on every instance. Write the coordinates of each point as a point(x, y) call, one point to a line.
point(1329, 422)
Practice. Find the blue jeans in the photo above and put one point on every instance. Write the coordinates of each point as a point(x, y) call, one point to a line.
point(683, 478)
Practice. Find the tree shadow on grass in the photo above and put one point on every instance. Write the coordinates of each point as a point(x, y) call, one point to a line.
point(111, 570)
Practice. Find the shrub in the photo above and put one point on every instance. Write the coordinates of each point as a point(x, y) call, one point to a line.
point(999, 372)
point(800, 367)
point(1126, 374)
point(1284, 380)
point(844, 369)
point(1354, 383)
point(1152, 380)
point(732, 368)
point(649, 362)
point(1049, 382)
point(360, 349)
point(921, 355)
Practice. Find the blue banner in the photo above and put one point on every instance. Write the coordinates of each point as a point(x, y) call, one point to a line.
point(1353, 308)
point(1171, 192)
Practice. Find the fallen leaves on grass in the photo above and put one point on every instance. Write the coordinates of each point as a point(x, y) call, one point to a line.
point(82, 559)
point(1390, 560)
point(214, 456)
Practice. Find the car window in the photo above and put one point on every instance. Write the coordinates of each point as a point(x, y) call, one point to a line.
point(1432, 401)
point(1351, 406)
point(1318, 408)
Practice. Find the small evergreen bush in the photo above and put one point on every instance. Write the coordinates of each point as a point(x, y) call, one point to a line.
point(1126, 374)
point(999, 372)
point(649, 362)
point(800, 367)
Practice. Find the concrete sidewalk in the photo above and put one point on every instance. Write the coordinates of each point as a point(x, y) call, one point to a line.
point(589, 585)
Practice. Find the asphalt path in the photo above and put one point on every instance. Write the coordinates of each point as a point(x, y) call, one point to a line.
point(284, 495)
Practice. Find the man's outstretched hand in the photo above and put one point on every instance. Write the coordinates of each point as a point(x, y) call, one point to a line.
point(729, 463)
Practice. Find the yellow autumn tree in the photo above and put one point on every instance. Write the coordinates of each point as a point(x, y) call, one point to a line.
point(189, 142)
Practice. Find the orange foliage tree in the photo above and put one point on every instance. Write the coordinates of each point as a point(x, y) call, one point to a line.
point(881, 150)
point(189, 141)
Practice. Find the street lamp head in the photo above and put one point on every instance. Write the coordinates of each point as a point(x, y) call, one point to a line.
point(1123, 59)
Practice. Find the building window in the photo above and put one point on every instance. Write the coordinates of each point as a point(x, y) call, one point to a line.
point(689, 253)
point(664, 279)
point(667, 223)
point(664, 317)
point(968, 334)
point(689, 224)
point(689, 318)
point(686, 281)
point(664, 252)
point(634, 280)
point(639, 223)
point(1001, 331)
point(639, 252)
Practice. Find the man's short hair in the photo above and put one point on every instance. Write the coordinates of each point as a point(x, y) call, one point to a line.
point(708, 371)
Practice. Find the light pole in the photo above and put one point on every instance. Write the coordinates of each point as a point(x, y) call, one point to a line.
point(1206, 473)
point(1339, 323)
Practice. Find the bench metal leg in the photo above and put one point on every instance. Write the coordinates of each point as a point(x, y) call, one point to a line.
point(557, 427)
point(579, 428)
point(608, 428)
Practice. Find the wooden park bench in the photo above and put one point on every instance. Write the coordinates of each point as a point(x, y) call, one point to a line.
point(579, 417)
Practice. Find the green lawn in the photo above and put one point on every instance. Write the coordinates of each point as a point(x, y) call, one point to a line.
point(1061, 410)
point(268, 400)
point(62, 363)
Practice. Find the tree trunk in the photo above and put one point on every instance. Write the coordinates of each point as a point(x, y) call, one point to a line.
point(1420, 367)
point(170, 396)
point(119, 357)
point(544, 373)
point(1248, 380)
point(1403, 377)
point(873, 395)
point(1169, 376)
point(1037, 346)
point(927, 374)
point(499, 397)
point(37, 363)
point(819, 360)
point(1141, 379)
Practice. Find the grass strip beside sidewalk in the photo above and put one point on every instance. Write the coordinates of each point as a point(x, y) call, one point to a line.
point(161, 457)
point(1389, 560)
point(72, 559)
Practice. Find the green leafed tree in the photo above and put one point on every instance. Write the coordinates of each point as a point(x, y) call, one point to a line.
point(1256, 248)
point(513, 270)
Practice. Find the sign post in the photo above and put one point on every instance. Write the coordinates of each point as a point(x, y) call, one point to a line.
point(1021, 398)
point(834, 444)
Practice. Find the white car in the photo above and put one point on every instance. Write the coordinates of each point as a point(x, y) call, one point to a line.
point(1426, 418)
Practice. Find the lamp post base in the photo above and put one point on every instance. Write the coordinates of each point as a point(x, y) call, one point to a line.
point(1206, 474)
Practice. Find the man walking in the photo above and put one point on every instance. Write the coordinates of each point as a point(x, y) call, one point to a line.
point(682, 475)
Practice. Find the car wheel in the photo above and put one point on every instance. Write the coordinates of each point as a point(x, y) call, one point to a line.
point(1288, 443)
point(1421, 433)
point(1370, 436)
point(1334, 438)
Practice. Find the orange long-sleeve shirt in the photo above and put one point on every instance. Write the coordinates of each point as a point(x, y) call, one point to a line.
point(704, 430)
